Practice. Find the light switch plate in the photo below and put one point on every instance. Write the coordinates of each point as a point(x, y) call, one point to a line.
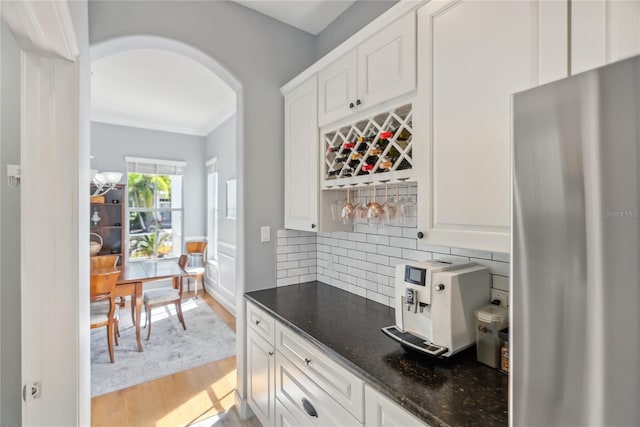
point(265, 234)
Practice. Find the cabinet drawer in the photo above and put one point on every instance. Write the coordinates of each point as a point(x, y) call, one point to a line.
point(290, 416)
point(336, 381)
point(299, 393)
point(261, 322)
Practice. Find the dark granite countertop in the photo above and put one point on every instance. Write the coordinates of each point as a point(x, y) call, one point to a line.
point(452, 392)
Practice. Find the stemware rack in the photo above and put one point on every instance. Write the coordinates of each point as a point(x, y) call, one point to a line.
point(375, 149)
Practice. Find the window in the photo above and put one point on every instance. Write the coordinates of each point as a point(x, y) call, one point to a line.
point(212, 208)
point(154, 208)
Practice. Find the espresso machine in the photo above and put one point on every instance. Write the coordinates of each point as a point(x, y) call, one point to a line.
point(435, 303)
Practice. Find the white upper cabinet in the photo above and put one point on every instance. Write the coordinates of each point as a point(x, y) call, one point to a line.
point(472, 56)
point(387, 63)
point(603, 31)
point(337, 88)
point(381, 68)
point(301, 149)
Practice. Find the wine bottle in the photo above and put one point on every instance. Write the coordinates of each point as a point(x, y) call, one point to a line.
point(375, 152)
point(362, 147)
point(368, 167)
point(357, 155)
point(334, 172)
point(386, 135)
point(341, 158)
point(386, 164)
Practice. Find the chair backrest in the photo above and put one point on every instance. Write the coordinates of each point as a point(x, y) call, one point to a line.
point(198, 248)
point(103, 284)
point(104, 261)
point(182, 262)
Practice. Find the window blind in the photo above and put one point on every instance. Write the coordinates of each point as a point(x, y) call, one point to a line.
point(155, 166)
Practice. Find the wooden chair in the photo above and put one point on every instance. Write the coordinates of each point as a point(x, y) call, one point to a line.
point(102, 261)
point(165, 296)
point(197, 272)
point(104, 311)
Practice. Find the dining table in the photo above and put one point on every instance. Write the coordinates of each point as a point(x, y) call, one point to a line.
point(132, 277)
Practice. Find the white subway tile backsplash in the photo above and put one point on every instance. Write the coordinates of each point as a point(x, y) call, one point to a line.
point(402, 242)
point(363, 261)
point(348, 244)
point(287, 249)
point(357, 255)
point(287, 265)
point(471, 253)
point(389, 251)
point(377, 239)
point(378, 259)
point(309, 262)
point(287, 233)
point(358, 237)
point(414, 255)
point(339, 251)
point(502, 257)
point(367, 247)
point(501, 282)
point(300, 256)
point(390, 231)
point(297, 272)
point(374, 296)
point(288, 281)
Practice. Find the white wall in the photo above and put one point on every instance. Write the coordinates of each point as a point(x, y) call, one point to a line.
point(221, 143)
point(111, 143)
point(348, 23)
point(262, 54)
point(10, 231)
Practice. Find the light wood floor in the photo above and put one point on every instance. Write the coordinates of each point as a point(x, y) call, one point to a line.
point(180, 399)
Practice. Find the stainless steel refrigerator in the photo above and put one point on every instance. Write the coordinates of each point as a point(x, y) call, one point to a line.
point(575, 326)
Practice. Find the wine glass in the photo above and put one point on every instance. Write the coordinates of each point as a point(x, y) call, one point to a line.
point(347, 210)
point(375, 211)
point(336, 208)
point(360, 210)
point(409, 209)
point(390, 206)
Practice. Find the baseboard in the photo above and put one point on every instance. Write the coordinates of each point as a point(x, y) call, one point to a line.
point(221, 298)
point(244, 411)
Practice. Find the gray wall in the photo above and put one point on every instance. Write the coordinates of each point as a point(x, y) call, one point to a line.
point(10, 415)
point(350, 22)
point(111, 143)
point(221, 143)
point(262, 54)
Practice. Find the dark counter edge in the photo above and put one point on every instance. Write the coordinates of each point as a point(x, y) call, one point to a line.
point(412, 407)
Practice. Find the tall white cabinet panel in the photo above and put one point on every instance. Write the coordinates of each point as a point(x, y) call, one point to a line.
point(387, 62)
point(261, 377)
point(472, 55)
point(603, 31)
point(337, 89)
point(380, 411)
point(301, 157)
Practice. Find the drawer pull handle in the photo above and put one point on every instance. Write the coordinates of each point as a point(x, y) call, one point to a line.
point(257, 322)
point(307, 361)
point(308, 408)
point(271, 353)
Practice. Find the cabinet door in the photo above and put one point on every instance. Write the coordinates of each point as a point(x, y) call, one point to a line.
point(472, 56)
point(301, 159)
point(603, 31)
point(387, 62)
point(337, 89)
point(380, 411)
point(260, 377)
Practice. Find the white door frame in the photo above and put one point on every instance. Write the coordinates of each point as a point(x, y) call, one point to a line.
point(54, 281)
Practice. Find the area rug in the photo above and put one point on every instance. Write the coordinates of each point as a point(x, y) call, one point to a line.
point(170, 350)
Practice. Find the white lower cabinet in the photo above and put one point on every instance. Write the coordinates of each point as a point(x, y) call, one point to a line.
point(301, 394)
point(380, 411)
point(291, 382)
point(260, 377)
point(290, 416)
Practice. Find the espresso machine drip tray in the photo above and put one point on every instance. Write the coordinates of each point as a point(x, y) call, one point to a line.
point(413, 342)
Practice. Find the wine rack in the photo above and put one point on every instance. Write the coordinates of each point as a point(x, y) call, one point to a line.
point(375, 149)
